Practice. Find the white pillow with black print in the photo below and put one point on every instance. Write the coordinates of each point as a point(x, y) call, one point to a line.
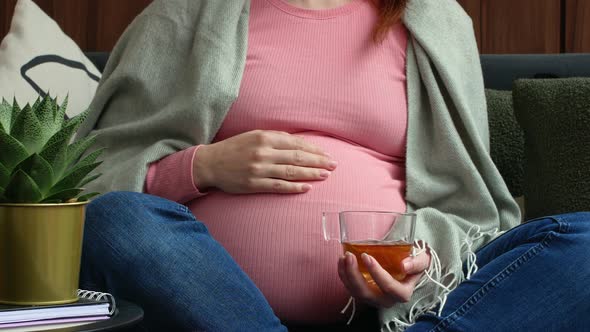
point(37, 58)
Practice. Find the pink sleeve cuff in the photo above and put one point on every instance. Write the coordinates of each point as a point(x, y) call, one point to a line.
point(172, 177)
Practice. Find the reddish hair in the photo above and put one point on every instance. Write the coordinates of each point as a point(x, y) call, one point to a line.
point(390, 13)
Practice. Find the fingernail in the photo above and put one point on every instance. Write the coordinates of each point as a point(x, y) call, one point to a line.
point(332, 164)
point(306, 187)
point(367, 259)
point(348, 257)
point(324, 174)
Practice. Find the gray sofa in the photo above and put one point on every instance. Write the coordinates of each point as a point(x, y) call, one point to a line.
point(499, 72)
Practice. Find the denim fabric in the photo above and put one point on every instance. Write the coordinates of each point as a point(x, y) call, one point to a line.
point(153, 252)
point(535, 277)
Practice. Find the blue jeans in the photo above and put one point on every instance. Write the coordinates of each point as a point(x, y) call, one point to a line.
point(536, 277)
point(153, 252)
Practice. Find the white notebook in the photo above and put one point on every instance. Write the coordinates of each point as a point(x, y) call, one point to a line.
point(90, 304)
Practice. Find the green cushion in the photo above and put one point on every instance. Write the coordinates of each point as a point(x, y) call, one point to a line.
point(506, 140)
point(555, 117)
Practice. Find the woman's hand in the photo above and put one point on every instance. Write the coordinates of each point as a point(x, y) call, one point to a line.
point(391, 291)
point(261, 161)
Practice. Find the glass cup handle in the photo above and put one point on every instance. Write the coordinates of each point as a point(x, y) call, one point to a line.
point(331, 226)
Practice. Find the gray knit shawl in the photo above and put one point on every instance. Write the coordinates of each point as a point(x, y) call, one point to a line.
point(177, 70)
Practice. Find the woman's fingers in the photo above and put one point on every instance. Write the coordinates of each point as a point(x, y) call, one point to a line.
point(389, 291)
point(302, 158)
point(412, 279)
point(396, 290)
point(288, 157)
point(416, 264)
point(277, 186)
point(283, 148)
point(295, 173)
point(261, 161)
point(358, 285)
point(284, 141)
point(342, 272)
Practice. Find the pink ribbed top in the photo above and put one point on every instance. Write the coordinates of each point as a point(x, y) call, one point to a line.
point(316, 74)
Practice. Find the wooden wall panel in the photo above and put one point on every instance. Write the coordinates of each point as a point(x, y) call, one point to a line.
point(577, 28)
point(95, 25)
point(110, 20)
point(521, 26)
point(501, 26)
point(73, 17)
point(6, 11)
point(473, 8)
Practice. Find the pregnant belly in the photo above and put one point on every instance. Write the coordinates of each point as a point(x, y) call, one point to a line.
point(277, 239)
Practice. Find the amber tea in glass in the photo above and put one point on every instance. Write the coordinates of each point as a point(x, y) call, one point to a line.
point(389, 256)
point(386, 236)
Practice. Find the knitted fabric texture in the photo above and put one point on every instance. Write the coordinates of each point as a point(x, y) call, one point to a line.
point(555, 116)
point(506, 140)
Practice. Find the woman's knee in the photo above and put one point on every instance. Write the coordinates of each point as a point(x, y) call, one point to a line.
point(112, 201)
point(578, 225)
point(119, 216)
point(119, 225)
point(575, 225)
point(132, 217)
point(122, 206)
point(123, 201)
point(576, 236)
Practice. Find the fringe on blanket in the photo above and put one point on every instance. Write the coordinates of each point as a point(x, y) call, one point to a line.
point(444, 282)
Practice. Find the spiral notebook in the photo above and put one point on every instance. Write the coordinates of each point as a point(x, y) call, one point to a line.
point(90, 305)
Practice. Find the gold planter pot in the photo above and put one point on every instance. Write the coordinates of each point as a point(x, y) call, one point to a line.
point(40, 252)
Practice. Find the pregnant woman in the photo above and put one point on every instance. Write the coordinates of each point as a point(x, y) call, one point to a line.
point(231, 125)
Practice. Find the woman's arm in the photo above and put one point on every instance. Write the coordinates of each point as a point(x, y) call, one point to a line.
point(172, 177)
point(167, 87)
point(253, 162)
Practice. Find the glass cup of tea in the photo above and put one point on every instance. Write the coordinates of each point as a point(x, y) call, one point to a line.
point(386, 236)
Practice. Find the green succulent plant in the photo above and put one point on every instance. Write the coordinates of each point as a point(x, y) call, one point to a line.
point(38, 161)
